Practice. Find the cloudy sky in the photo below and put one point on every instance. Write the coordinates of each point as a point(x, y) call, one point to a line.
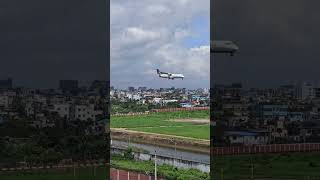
point(45, 41)
point(279, 41)
point(170, 35)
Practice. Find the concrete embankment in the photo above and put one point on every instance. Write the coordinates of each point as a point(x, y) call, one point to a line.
point(182, 162)
point(178, 142)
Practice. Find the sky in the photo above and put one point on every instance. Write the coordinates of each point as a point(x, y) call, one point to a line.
point(172, 36)
point(279, 41)
point(42, 42)
point(45, 41)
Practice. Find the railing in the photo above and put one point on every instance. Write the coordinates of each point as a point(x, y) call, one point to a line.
point(181, 109)
point(163, 110)
point(263, 149)
point(117, 174)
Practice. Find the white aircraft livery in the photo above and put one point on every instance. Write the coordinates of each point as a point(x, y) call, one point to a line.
point(169, 75)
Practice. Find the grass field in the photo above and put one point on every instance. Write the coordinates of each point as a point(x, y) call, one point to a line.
point(81, 174)
point(292, 165)
point(194, 131)
point(162, 123)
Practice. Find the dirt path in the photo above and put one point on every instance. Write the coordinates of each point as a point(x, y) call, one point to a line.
point(183, 143)
point(193, 121)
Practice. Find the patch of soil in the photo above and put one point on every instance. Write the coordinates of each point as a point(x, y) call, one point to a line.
point(193, 121)
point(182, 143)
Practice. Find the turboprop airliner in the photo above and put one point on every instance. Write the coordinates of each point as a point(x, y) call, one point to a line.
point(220, 46)
point(171, 76)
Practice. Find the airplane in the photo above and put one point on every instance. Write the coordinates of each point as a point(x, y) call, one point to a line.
point(169, 75)
point(220, 46)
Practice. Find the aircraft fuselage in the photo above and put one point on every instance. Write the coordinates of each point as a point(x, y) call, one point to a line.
point(223, 47)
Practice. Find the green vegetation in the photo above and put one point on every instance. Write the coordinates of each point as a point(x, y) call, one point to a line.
point(46, 150)
point(291, 165)
point(163, 123)
point(100, 173)
point(135, 106)
point(126, 108)
point(194, 131)
point(48, 145)
point(167, 171)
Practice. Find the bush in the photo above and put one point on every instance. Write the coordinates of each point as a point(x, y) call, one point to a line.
point(312, 164)
point(128, 154)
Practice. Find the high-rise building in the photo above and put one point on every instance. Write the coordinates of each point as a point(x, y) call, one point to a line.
point(131, 89)
point(68, 85)
point(6, 84)
point(305, 91)
point(142, 88)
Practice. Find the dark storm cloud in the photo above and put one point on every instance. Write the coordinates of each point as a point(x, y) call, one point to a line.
point(279, 41)
point(42, 41)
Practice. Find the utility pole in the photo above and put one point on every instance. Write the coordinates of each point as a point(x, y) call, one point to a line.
point(74, 171)
point(155, 165)
point(221, 173)
point(94, 172)
point(175, 154)
point(252, 171)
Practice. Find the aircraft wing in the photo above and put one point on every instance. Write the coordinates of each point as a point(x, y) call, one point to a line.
point(164, 72)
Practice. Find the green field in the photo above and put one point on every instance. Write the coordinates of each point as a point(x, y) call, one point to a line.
point(194, 131)
point(68, 174)
point(162, 123)
point(292, 165)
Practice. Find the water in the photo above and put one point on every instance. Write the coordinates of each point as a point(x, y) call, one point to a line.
point(167, 152)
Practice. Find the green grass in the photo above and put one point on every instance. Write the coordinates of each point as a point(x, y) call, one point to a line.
point(81, 174)
point(166, 171)
point(295, 165)
point(156, 119)
point(194, 131)
point(160, 123)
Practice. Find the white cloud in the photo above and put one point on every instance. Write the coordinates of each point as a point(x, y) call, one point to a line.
point(180, 34)
point(147, 34)
point(134, 34)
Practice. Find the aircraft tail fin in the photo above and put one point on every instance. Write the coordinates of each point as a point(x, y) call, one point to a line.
point(158, 71)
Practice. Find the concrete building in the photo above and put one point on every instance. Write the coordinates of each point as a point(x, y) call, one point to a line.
point(305, 91)
point(272, 111)
point(6, 84)
point(246, 138)
point(63, 110)
point(85, 112)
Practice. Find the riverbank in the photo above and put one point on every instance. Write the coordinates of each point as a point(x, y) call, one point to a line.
point(169, 141)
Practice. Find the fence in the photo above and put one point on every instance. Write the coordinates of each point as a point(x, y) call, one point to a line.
point(116, 174)
point(272, 148)
point(181, 109)
point(173, 161)
point(163, 110)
